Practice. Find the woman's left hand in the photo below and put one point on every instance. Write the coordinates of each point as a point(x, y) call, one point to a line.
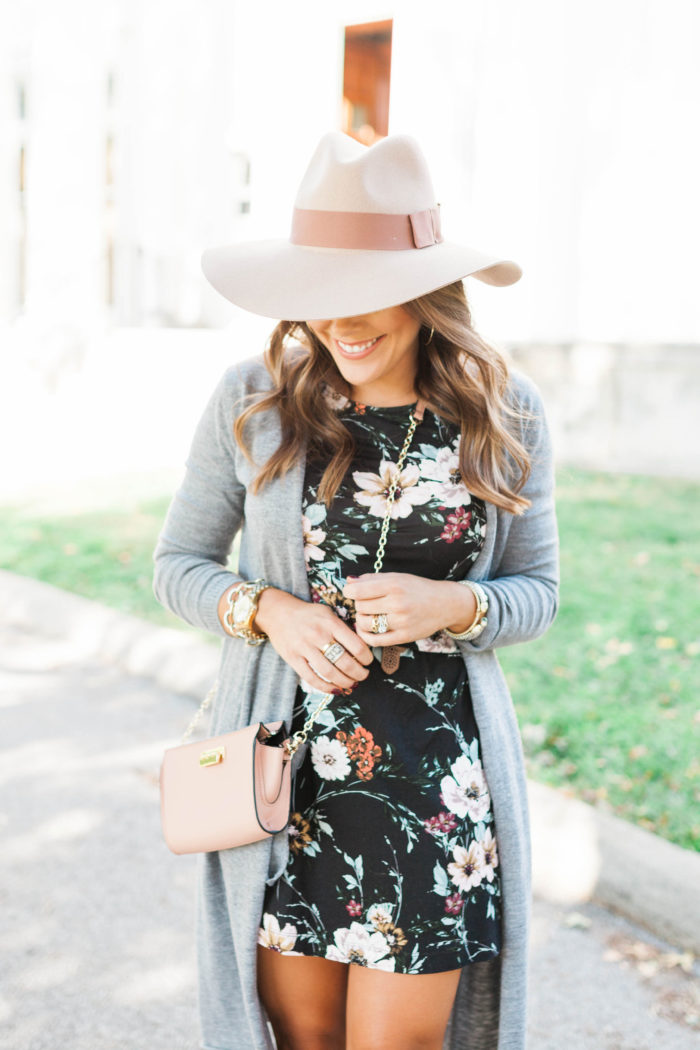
point(414, 606)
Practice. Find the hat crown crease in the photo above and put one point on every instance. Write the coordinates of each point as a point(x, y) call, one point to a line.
point(390, 177)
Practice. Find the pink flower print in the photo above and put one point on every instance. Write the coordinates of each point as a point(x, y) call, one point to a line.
point(354, 909)
point(453, 904)
point(450, 534)
point(442, 824)
point(455, 524)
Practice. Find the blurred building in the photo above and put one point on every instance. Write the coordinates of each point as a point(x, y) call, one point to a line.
point(137, 132)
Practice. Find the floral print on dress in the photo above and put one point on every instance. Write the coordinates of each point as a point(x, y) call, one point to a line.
point(446, 483)
point(393, 861)
point(374, 490)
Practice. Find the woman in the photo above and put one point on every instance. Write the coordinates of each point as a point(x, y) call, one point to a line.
point(395, 906)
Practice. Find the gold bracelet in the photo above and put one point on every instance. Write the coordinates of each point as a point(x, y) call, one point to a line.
point(227, 618)
point(241, 607)
point(479, 622)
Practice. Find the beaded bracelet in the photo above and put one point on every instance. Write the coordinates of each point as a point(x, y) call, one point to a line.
point(479, 622)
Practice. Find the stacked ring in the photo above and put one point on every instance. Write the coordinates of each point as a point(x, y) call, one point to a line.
point(380, 623)
point(333, 651)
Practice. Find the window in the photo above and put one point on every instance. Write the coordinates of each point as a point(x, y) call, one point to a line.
point(366, 77)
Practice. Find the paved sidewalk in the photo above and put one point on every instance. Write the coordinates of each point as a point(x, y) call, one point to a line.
point(97, 913)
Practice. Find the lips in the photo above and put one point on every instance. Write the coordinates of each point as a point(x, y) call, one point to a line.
point(359, 349)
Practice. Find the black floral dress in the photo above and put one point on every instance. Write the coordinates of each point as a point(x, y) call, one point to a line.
point(393, 861)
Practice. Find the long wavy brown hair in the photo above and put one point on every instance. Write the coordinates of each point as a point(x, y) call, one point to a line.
point(460, 376)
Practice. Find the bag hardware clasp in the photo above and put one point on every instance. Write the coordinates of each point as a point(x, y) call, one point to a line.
point(213, 757)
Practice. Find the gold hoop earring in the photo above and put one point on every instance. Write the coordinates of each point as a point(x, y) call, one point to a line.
point(430, 337)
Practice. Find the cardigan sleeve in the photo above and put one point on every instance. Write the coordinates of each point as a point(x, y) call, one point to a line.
point(206, 512)
point(523, 584)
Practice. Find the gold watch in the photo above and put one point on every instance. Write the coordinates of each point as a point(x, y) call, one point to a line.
point(242, 605)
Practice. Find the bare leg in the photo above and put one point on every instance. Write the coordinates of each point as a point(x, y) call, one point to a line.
point(305, 999)
point(397, 1011)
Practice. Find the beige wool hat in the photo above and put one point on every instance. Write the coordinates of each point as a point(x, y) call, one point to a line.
point(365, 236)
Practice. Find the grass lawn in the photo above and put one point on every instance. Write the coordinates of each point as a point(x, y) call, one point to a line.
point(607, 700)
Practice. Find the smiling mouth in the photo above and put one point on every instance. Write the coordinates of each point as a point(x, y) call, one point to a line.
point(357, 349)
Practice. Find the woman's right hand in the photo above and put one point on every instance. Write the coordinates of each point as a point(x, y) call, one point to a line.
point(299, 630)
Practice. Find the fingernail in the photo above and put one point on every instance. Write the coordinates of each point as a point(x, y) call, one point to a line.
point(352, 577)
point(337, 692)
point(346, 692)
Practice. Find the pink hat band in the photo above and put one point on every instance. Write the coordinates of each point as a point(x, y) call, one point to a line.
point(368, 231)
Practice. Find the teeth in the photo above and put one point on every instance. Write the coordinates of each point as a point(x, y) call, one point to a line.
point(357, 348)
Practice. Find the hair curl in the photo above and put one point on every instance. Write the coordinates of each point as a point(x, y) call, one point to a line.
point(460, 376)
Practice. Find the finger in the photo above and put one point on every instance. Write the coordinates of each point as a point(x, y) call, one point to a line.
point(366, 621)
point(345, 662)
point(326, 682)
point(352, 644)
point(364, 629)
point(329, 627)
point(351, 667)
point(370, 606)
point(371, 585)
point(380, 640)
point(324, 669)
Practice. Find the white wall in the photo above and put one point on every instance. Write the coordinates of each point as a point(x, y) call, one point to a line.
point(570, 130)
point(560, 135)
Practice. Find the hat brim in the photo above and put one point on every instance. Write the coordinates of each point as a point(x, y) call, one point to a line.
point(291, 282)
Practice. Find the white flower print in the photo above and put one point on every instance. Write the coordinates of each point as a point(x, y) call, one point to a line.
point(467, 868)
point(374, 489)
point(330, 759)
point(466, 791)
point(379, 914)
point(433, 690)
point(443, 472)
point(488, 845)
point(436, 643)
point(280, 940)
point(357, 945)
point(313, 538)
point(333, 398)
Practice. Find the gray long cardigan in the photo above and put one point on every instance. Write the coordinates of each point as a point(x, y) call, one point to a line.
point(518, 566)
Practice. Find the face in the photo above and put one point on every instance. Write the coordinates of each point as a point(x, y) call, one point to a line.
point(376, 354)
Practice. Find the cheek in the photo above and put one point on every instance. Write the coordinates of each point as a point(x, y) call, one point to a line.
point(320, 333)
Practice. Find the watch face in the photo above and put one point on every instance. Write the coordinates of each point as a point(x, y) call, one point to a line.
point(242, 608)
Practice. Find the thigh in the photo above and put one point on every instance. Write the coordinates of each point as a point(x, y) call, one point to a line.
point(398, 1011)
point(305, 999)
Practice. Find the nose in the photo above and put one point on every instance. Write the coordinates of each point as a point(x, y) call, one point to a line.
point(348, 327)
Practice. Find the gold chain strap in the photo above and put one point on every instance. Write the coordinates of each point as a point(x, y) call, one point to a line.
point(300, 737)
point(206, 702)
point(379, 560)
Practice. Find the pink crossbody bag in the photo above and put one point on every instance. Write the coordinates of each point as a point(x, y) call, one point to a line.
point(231, 789)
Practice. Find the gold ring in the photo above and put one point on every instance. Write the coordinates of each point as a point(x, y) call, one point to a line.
point(380, 623)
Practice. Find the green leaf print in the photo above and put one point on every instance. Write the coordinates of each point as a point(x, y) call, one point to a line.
point(428, 451)
point(351, 550)
point(316, 513)
point(442, 885)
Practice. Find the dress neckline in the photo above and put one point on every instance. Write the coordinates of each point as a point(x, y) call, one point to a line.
point(360, 408)
point(349, 406)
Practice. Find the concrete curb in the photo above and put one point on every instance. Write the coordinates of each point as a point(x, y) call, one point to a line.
point(580, 853)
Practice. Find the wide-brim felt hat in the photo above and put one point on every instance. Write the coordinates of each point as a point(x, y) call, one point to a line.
point(366, 235)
